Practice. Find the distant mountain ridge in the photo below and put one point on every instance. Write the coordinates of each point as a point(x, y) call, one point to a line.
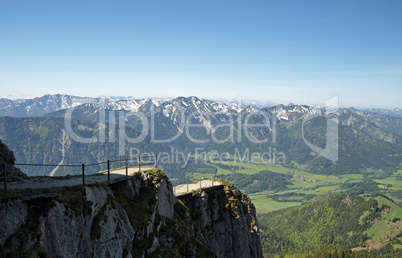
point(39, 106)
point(367, 140)
point(46, 104)
point(391, 112)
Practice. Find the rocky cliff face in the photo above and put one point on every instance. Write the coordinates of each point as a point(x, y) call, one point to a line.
point(135, 218)
point(225, 220)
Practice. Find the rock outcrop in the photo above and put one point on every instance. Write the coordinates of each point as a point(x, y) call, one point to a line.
point(7, 158)
point(136, 217)
point(226, 221)
point(6, 155)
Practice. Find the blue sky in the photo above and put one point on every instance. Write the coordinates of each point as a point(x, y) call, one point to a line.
point(282, 51)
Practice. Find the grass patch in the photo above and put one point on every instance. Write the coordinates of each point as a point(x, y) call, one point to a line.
point(351, 176)
point(395, 182)
point(140, 208)
point(388, 225)
point(96, 224)
point(325, 189)
point(74, 198)
point(264, 204)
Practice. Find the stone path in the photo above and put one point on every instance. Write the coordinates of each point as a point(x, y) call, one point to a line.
point(187, 188)
point(47, 182)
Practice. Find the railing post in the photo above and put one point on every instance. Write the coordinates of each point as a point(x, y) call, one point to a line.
point(126, 168)
point(83, 174)
point(119, 161)
point(139, 163)
point(187, 186)
point(108, 170)
point(200, 183)
point(156, 160)
point(5, 175)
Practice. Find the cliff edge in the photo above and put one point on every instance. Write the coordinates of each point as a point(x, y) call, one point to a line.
point(137, 217)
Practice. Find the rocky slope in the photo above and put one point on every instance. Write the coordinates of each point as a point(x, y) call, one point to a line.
point(7, 157)
point(135, 218)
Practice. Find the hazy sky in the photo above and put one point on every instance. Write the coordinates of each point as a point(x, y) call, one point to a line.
point(283, 51)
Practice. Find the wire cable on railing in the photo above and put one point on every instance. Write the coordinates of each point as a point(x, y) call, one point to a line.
point(46, 165)
point(94, 164)
point(139, 164)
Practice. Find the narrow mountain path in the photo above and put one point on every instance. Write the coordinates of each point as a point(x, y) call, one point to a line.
point(188, 188)
point(47, 182)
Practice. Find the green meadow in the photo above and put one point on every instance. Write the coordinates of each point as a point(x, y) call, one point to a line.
point(264, 204)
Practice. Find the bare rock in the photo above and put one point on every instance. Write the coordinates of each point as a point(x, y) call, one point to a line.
point(7, 157)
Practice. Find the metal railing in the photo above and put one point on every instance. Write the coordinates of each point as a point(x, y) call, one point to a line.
point(84, 166)
point(192, 182)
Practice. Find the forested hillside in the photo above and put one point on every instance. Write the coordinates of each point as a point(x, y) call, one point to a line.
point(339, 221)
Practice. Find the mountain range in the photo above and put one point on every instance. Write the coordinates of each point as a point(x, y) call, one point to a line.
point(36, 130)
